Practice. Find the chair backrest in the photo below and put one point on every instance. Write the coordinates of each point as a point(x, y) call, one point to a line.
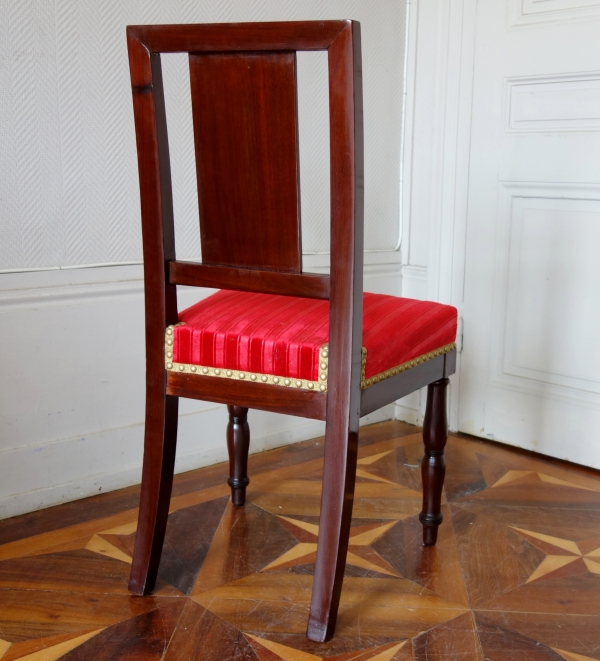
point(245, 133)
point(243, 86)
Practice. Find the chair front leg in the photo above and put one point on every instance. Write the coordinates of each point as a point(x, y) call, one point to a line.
point(339, 475)
point(433, 466)
point(238, 444)
point(157, 480)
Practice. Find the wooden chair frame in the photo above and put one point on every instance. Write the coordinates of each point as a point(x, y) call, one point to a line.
point(344, 402)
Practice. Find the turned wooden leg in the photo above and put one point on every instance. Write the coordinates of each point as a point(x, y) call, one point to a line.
point(238, 443)
point(157, 480)
point(339, 474)
point(433, 466)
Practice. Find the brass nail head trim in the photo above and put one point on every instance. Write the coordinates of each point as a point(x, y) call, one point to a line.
point(392, 371)
point(203, 370)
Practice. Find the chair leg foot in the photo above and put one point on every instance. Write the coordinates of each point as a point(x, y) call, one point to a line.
point(433, 466)
point(238, 444)
point(157, 480)
point(339, 474)
point(430, 529)
point(430, 535)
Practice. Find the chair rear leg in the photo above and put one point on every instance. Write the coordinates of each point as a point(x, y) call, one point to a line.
point(339, 475)
point(238, 444)
point(433, 466)
point(157, 480)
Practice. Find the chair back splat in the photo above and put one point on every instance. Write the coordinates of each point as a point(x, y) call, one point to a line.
point(245, 131)
point(275, 337)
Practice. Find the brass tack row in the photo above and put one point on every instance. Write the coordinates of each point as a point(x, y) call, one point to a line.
point(363, 367)
point(320, 385)
point(405, 366)
point(199, 370)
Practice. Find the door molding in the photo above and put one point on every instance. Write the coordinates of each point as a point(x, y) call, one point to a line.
point(448, 27)
point(513, 200)
point(523, 13)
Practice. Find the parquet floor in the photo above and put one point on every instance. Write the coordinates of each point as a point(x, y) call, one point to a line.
point(515, 575)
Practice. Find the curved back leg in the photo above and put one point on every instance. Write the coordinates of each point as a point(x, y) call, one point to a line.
point(433, 466)
point(157, 480)
point(238, 444)
point(339, 475)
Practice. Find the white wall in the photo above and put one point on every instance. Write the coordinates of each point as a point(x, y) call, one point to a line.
point(72, 392)
point(441, 37)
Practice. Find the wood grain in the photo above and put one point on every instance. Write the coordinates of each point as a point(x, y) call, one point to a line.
point(238, 444)
point(257, 396)
point(345, 328)
point(292, 35)
point(225, 585)
point(245, 135)
point(306, 285)
point(433, 466)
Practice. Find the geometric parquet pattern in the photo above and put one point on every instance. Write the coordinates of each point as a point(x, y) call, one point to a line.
point(515, 575)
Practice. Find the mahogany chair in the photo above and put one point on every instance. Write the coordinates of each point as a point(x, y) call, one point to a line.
point(274, 338)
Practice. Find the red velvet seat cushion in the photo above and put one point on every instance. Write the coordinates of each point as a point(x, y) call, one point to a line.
point(283, 336)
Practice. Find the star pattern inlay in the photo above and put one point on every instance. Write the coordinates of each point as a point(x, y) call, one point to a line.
point(516, 567)
point(518, 475)
point(566, 552)
point(359, 553)
point(285, 653)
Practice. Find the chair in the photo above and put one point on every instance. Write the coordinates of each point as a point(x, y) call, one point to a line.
point(274, 337)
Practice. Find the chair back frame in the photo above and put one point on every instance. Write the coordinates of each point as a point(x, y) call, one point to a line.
point(254, 272)
point(275, 267)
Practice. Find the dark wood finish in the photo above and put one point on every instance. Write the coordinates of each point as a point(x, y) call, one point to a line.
point(238, 444)
point(264, 397)
point(223, 37)
point(161, 310)
point(345, 329)
point(246, 139)
point(157, 481)
point(395, 387)
point(433, 466)
point(243, 81)
point(306, 285)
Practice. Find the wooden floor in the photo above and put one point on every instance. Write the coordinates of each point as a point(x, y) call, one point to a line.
point(515, 575)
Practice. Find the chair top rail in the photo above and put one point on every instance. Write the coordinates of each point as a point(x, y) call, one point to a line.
point(215, 37)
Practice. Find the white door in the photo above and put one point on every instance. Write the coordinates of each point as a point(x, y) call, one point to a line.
point(530, 372)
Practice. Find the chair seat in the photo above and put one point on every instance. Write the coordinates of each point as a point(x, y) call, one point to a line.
point(282, 340)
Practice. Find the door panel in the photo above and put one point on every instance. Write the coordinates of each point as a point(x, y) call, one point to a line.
point(530, 372)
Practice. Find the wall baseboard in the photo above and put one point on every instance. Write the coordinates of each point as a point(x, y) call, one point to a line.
point(111, 459)
point(72, 402)
point(409, 409)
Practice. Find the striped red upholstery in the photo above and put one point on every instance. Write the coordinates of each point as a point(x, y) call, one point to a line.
point(396, 330)
point(282, 335)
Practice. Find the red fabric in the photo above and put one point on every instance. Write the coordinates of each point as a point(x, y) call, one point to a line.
point(261, 333)
point(396, 330)
point(282, 335)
